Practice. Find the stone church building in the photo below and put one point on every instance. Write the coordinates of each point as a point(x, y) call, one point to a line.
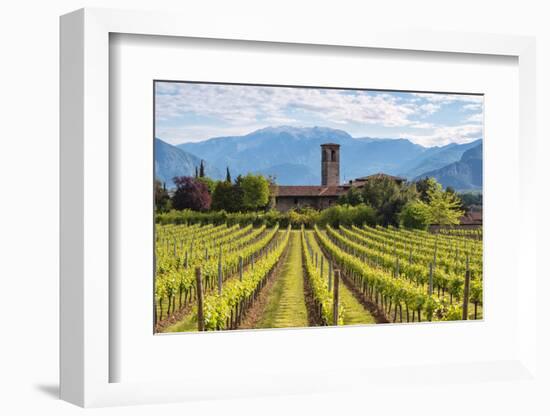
point(325, 195)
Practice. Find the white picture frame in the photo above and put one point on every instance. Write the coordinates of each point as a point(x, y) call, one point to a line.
point(85, 212)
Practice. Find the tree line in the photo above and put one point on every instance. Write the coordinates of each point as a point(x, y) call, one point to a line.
point(382, 201)
point(408, 204)
point(201, 193)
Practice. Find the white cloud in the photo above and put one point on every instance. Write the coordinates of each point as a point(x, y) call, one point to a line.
point(441, 136)
point(240, 105)
point(429, 108)
point(450, 98)
point(281, 120)
point(197, 133)
point(472, 107)
point(195, 112)
point(420, 125)
point(475, 118)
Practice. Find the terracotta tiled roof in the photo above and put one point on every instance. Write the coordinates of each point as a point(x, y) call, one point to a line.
point(309, 190)
point(472, 217)
point(380, 175)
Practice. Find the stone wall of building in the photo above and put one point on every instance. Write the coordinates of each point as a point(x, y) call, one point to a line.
point(330, 164)
point(285, 203)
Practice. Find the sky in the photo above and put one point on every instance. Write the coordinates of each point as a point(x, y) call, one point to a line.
point(192, 112)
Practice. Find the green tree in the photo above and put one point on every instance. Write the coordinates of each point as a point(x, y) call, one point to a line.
point(201, 170)
point(255, 191)
point(444, 207)
point(347, 215)
point(227, 175)
point(272, 203)
point(388, 197)
point(228, 197)
point(415, 214)
point(422, 187)
point(351, 197)
point(470, 198)
point(163, 202)
point(210, 183)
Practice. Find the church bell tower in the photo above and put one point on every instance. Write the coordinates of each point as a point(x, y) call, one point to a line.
point(330, 164)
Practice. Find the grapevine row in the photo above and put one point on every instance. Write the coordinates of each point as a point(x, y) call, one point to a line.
point(445, 242)
point(419, 238)
point(441, 261)
point(415, 273)
point(380, 285)
point(322, 296)
point(225, 310)
point(179, 282)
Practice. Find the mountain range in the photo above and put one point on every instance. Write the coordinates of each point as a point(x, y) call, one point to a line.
point(292, 155)
point(466, 173)
point(171, 161)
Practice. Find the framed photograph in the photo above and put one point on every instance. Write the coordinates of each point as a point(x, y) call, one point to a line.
point(238, 208)
point(317, 227)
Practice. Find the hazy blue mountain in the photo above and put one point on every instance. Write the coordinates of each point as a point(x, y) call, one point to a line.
point(435, 158)
point(361, 158)
point(292, 155)
point(290, 174)
point(272, 148)
point(466, 174)
point(171, 161)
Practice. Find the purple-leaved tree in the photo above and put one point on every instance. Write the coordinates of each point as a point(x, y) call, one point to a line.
point(191, 193)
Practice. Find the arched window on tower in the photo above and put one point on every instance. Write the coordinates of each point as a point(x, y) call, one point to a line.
point(333, 155)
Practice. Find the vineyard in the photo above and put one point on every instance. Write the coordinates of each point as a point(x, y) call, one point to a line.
point(227, 277)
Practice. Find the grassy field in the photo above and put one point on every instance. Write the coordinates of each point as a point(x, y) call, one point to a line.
point(188, 323)
point(286, 306)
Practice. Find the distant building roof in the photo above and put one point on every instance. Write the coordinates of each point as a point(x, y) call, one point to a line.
point(472, 218)
point(380, 175)
point(307, 190)
point(330, 144)
point(320, 191)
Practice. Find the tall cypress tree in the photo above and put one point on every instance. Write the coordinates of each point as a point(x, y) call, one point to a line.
point(201, 171)
point(228, 176)
point(196, 172)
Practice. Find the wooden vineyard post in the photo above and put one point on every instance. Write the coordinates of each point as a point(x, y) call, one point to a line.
point(396, 267)
point(186, 259)
point(435, 251)
point(220, 276)
point(335, 297)
point(322, 266)
point(466, 298)
point(200, 306)
point(329, 276)
point(155, 318)
point(431, 282)
point(241, 268)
